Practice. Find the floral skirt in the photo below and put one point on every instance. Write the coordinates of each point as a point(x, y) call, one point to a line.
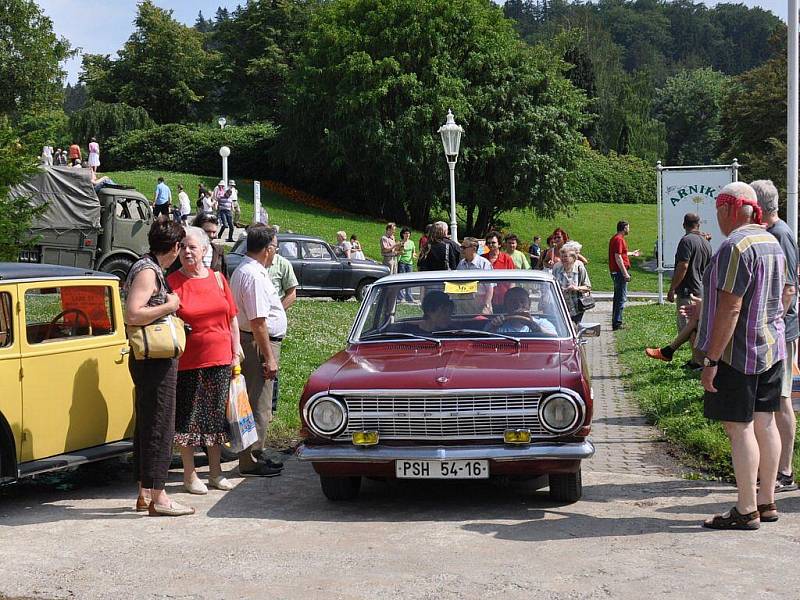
point(201, 400)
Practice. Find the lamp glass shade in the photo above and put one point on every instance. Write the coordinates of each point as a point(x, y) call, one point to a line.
point(451, 135)
point(224, 152)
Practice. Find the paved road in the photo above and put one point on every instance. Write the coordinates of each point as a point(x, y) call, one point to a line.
point(635, 534)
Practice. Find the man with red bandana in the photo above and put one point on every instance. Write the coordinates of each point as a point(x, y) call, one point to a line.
point(742, 335)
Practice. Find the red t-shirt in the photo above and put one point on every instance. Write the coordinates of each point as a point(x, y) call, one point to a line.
point(503, 261)
point(618, 245)
point(208, 310)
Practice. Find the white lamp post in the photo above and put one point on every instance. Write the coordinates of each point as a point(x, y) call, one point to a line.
point(225, 152)
point(222, 121)
point(451, 139)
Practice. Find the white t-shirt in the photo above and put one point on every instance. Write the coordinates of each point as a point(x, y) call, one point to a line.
point(478, 263)
point(207, 204)
point(256, 297)
point(184, 203)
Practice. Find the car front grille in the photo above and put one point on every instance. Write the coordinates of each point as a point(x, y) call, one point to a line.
point(462, 416)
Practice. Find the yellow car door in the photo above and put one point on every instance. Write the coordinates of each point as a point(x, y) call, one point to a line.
point(10, 364)
point(77, 392)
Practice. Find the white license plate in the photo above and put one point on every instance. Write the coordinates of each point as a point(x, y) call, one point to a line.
point(442, 469)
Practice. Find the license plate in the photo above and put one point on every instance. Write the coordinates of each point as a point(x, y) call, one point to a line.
point(442, 469)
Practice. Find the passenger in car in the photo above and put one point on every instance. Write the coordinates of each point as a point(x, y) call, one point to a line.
point(437, 309)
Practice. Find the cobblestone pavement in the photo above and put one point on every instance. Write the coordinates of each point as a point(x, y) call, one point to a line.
point(625, 442)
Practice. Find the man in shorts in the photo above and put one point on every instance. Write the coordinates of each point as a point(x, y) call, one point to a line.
point(785, 418)
point(742, 335)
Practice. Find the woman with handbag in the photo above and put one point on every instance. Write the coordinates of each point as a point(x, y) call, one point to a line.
point(204, 369)
point(148, 299)
point(571, 275)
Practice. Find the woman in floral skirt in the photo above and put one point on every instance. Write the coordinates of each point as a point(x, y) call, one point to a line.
point(204, 369)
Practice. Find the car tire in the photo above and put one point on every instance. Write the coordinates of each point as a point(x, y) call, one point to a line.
point(340, 488)
point(566, 487)
point(361, 288)
point(118, 266)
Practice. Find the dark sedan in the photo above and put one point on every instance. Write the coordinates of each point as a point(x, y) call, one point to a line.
point(319, 269)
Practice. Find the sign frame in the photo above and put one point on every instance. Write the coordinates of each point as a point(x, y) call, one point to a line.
point(732, 168)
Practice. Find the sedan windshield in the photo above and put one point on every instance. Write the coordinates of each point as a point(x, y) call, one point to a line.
point(517, 308)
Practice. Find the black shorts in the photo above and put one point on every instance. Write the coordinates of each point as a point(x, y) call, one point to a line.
point(161, 209)
point(738, 395)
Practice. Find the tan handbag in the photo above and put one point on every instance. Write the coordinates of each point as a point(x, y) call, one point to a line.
point(164, 338)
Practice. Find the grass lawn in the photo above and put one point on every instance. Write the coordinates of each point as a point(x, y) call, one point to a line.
point(317, 330)
point(590, 224)
point(669, 396)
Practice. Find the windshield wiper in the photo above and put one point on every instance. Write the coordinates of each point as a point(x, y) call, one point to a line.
point(516, 340)
point(391, 334)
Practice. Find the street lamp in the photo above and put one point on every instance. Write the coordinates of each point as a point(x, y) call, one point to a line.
point(225, 152)
point(451, 139)
point(222, 121)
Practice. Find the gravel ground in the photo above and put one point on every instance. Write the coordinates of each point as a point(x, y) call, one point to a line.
point(634, 535)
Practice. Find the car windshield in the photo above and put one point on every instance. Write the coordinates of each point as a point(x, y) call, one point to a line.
point(518, 308)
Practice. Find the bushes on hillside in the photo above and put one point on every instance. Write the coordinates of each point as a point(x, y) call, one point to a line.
point(103, 121)
point(191, 148)
point(615, 178)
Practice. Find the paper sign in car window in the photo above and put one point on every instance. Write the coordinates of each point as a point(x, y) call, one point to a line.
point(460, 287)
point(91, 301)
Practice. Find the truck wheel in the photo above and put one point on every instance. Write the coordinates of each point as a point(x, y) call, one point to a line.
point(566, 487)
point(118, 266)
point(340, 488)
point(361, 288)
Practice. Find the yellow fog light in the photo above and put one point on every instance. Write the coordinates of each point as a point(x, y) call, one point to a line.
point(365, 438)
point(517, 436)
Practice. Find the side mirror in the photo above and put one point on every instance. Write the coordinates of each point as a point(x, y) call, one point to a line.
point(587, 330)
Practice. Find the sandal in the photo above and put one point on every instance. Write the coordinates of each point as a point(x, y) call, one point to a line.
point(768, 512)
point(142, 504)
point(735, 520)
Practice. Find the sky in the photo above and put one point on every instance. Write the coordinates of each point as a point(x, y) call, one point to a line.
point(102, 26)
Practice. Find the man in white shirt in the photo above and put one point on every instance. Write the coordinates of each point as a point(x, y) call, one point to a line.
point(472, 261)
point(262, 326)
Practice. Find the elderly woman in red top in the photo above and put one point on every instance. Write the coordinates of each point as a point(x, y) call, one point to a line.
point(204, 370)
point(498, 260)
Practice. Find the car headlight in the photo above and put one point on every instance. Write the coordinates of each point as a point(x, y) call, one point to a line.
point(559, 413)
point(326, 415)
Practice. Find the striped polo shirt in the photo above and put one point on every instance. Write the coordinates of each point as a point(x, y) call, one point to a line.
point(749, 264)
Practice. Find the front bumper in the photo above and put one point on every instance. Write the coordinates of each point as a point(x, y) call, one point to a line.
point(500, 453)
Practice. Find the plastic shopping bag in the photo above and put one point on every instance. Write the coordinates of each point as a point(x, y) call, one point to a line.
point(240, 416)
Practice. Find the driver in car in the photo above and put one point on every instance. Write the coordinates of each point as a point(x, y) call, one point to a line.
point(518, 318)
point(437, 309)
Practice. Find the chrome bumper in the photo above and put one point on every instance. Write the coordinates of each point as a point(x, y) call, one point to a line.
point(535, 451)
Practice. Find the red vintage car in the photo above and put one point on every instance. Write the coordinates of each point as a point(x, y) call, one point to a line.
point(454, 375)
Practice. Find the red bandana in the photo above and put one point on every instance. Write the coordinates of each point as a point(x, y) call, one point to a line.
point(739, 201)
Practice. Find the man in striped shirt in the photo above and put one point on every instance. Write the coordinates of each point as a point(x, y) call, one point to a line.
point(742, 335)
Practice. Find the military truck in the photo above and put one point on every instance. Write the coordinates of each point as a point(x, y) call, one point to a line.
point(103, 229)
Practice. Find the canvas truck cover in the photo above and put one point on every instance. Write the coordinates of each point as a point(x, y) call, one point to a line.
point(69, 194)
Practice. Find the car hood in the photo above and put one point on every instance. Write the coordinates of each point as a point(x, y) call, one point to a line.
point(462, 364)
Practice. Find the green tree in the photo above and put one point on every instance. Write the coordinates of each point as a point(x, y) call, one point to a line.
point(161, 68)
point(103, 121)
point(690, 106)
point(30, 58)
point(373, 85)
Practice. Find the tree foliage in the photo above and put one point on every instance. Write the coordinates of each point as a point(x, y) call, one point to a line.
point(373, 84)
point(161, 68)
point(611, 178)
point(690, 106)
point(103, 120)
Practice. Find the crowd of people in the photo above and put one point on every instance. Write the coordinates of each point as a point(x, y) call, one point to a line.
point(236, 325)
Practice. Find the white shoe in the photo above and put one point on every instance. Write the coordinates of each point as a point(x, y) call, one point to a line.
point(196, 487)
point(220, 483)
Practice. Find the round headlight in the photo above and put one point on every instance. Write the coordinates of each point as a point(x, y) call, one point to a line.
point(327, 415)
point(558, 413)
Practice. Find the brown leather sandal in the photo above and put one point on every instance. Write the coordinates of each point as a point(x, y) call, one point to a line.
point(142, 503)
point(735, 520)
point(768, 512)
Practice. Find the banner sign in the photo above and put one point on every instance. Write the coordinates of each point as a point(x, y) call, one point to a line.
point(689, 190)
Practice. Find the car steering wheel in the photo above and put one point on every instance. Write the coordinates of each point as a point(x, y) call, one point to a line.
point(520, 318)
point(78, 313)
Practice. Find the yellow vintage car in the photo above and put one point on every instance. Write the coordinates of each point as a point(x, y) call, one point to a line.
point(66, 397)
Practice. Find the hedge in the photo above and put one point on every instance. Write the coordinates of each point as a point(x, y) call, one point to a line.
point(192, 149)
point(612, 178)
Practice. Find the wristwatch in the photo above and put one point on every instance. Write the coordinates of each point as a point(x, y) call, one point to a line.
point(707, 362)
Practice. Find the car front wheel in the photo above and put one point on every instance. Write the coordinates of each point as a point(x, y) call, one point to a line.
point(340, 488)
point(361, 289)
point(566, 487)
